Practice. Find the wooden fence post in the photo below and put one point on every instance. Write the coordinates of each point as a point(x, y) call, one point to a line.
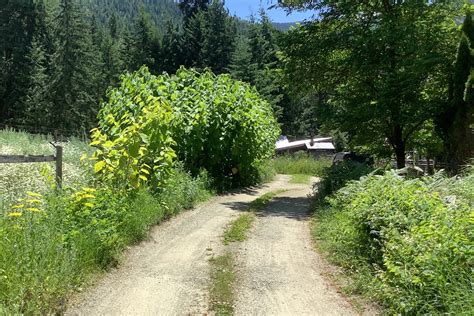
point(59, 166)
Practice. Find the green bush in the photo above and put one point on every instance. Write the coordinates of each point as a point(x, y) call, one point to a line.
point(409, 242)
point(301, 163)
point(211, 122)
point(221, 125)
point(50, 243)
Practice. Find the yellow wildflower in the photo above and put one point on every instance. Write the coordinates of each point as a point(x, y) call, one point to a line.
point(34, 194)
point(15, 207)
point(33, 209)
point(15, 214)
point(88, 196)
point(34, 201)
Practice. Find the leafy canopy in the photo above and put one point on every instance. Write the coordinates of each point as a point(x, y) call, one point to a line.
point(384, 66)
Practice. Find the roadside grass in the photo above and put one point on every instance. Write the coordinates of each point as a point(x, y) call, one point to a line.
point(223, 277)
point(300, 163)
point(237, 230)
point(355, 279)
point(300, 179)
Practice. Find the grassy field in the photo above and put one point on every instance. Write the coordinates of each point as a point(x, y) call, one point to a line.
point(51, 241)
point(301, 164)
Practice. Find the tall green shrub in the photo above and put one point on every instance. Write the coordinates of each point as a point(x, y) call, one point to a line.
point(221, 125)
point(211, 122)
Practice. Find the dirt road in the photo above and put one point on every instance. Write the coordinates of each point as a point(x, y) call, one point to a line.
point(280, 273)
point(169, 274)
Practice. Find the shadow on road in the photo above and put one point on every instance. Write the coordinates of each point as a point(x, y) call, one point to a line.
point(290, 207)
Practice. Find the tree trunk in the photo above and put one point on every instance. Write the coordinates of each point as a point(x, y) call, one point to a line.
point(399, 147)
point(400, 154)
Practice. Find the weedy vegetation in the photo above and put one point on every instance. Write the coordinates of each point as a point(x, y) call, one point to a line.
point(237, 230)
point(406, 242)
point(223, 277)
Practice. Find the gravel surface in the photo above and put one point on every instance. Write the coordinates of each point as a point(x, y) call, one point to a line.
point(279, 271)
point(169, 273)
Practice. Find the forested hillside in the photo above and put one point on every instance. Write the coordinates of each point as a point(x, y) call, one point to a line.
point(160, 11)
point(60, 57)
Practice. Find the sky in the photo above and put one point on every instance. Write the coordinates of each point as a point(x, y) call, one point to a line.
point(244, 8)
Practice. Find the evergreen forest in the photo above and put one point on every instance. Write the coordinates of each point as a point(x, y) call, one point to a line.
point(60, 57)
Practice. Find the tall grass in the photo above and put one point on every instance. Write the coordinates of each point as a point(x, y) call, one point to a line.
point(300, 163)
point(50, 241)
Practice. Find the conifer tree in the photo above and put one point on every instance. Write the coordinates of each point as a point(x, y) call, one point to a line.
point(113, 26)
point(112, 48)
point(460, 136)
point(171, 48)
point(146, 46)
point(75, 105)
point(192, 41)
point(43, 33)
point(190, 7)
point(219, 35)
point(241, 66)
point(16, 33)
point(38, 106)
point(454, 122)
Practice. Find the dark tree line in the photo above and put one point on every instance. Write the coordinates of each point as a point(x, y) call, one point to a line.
point(59, 58)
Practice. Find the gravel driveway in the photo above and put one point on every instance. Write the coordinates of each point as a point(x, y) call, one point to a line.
point(169, 273)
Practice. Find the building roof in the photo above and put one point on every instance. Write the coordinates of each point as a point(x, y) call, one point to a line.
point(323, 143)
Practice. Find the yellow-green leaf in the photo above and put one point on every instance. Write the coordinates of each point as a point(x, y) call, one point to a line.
point(99, 166)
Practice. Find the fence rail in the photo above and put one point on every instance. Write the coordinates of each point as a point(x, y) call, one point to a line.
point(58, 158)
point(26, 159)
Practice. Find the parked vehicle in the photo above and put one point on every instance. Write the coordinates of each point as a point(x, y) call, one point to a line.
point(352, 156)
